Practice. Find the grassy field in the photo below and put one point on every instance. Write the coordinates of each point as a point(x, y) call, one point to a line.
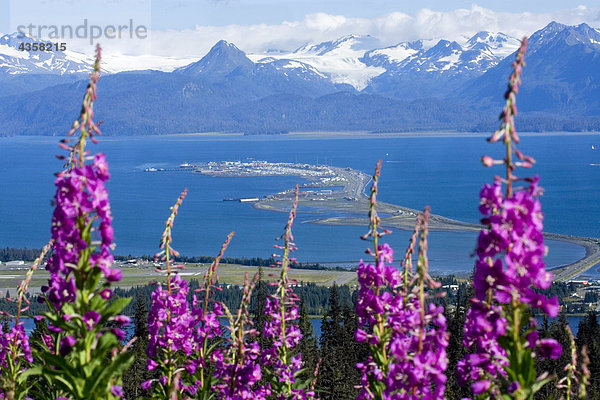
point(228, 273)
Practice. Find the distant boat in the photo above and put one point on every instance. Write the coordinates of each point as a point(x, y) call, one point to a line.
point(595, 165)
point(593, 148)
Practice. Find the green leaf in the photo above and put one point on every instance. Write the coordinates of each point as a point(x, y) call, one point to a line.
point(102, 380)
point(116, 307)
point(539, 384)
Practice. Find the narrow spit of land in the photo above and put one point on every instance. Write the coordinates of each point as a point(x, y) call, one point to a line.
point(342, 191)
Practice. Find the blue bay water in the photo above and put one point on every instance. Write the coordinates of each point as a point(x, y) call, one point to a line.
point(573, 321)
point(443, 172)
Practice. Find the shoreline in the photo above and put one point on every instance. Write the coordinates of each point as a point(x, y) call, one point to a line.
point(322, 135)
point(404, 218)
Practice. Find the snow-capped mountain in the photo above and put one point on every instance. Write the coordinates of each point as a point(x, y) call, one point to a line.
point(562, 73)
point(338, 59)
point(15, 61)
point(498, 44)
point(418, 69)
point(393, 55)
point(226, 64)
point(359, 60)
point(558, 34)
point(475, 56)
point(418, 85)
point(352, 60)
point(220, 61)
point(118, 62)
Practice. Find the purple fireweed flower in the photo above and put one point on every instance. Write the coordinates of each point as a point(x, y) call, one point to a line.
point(170, 323)
point(66, 344)
point(151, 365)
point(417, 339)
point(117, 391)
point(509, 267)
point(14, 344)
point(480, 387)
point(284, 334)
point(549, 348)
point(147, 384)
point(513, 387)
point(48, 342)
point(176, 329)
point(282, 328)
point(122, 320)
point(91, 318)
point(238, 375)
point(81, 198)
point(237, 365)
point(119, 333)
point(54, 329)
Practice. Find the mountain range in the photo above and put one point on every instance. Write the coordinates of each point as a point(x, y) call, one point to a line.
point(352, 83)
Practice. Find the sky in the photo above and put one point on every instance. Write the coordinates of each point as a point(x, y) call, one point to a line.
point(188, 28)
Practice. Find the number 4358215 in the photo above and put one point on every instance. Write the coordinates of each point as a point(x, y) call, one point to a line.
point(43, 46)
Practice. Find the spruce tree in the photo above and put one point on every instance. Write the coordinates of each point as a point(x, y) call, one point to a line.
point(5, 324)
point(36, 341)
point(137, 372)
point(308, 345)
point(455, 350)
point(332, 374)
point(352, 353)
point(261, 292)
point(589, 335)
point(556, 330)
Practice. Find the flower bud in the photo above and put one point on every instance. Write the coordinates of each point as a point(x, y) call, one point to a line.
point(487, 161)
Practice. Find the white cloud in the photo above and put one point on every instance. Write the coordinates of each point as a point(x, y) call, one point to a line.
point(390, 29)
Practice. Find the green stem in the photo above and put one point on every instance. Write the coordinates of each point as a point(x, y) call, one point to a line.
point(509, 165)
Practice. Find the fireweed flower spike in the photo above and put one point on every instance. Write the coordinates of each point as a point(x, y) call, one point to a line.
point(179, 346)
point(374, 220)
point(170, 322)
point(15, 353)
point(510, 249)
point(85, 123)
point(166, 239)
point(209, 327)
point(575, 382)
point(282, 328)
point(406, 334)
point(81, 273)
point(237, 366)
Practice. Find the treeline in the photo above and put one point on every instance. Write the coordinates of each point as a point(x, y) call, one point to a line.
point(562, 290)
point(336, 351)
point(11, 254)
point(253, 261)
point(315, 298)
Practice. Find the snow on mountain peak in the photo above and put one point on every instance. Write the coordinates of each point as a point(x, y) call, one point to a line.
point(559, 34)
point(339, 59)
point(14, 61)
point(500, 44)
point(349, 44)
point(393, 54)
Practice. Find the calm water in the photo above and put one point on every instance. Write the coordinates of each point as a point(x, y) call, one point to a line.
point(443, 172)
point(316, 325)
